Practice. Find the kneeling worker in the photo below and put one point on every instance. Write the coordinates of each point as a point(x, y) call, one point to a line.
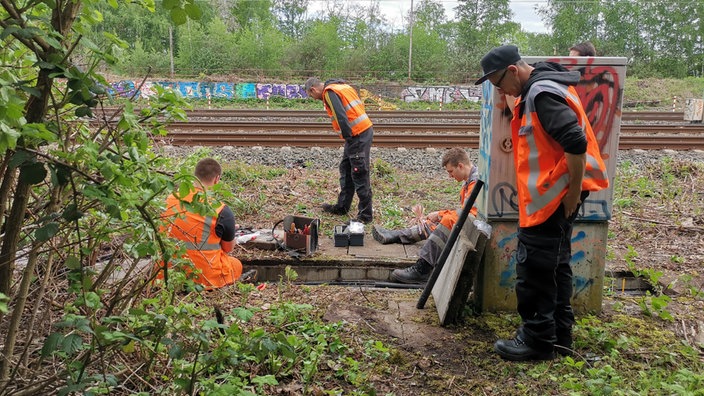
point(208, 239)
point(438, 225)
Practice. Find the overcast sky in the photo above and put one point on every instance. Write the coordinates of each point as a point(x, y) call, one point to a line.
point(396, 10)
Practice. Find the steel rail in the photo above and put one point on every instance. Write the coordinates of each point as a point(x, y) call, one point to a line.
point(400, 127)
point(384, 114)
point(395, 140)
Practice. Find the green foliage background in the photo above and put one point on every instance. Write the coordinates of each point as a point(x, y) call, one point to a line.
point(277, 39)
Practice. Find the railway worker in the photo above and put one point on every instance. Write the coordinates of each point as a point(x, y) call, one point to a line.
point(557, 162)
point(349, 119)
point(583, 49)
point(437, 225)
point(208, 239)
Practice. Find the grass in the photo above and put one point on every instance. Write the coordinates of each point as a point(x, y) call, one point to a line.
point(637, 345)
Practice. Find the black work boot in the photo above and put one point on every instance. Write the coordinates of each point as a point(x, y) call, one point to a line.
point(384, 236)
point(517, 350)
point(563, 346)
point(333, 209)
point(417, 273)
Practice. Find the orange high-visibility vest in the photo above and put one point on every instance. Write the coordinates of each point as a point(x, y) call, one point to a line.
point(217, 268)
point(450, 217)
point(542, 177)
point(354, 108)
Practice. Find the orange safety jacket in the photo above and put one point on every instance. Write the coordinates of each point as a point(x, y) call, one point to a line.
point(217, 268)
point(354, 108)
point(448, 218)
point(542, 177)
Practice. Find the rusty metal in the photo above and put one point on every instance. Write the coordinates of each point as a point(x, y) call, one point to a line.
point(394, 140)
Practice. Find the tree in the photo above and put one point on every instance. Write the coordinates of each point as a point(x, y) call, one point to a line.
point(291, 14)
point(69, 187)
point(481, 25)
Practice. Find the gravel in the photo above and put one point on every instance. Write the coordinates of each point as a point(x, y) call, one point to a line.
point(425, 161)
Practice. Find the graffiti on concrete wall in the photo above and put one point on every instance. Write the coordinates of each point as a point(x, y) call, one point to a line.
point(505, 251)
point(503, 202)
point(600, 89)
point(289, 91)
point(207, 89)
point(444, 94)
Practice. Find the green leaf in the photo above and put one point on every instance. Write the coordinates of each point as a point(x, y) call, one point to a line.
point(265, 380)
point(8, 31)
point(193, 11)
point(39, 132)
point(72, 344)
point(71, 213)
point(92, 300)
point(178, 16)
point(52, 343)
point(21, 157)
point(46, 232)
point(84, 111)
point(170, 4)
point(72, 263)
point(33, 173)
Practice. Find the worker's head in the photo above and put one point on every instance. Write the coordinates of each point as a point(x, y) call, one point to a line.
point(457, 163)
point(583, 49)
point(208, 171)
point(314, 88)
point(503, 67)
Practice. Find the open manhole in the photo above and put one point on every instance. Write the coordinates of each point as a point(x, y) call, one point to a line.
point(626, 282)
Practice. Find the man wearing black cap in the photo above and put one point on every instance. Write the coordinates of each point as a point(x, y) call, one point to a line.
point(349, 119)
point(557, 162)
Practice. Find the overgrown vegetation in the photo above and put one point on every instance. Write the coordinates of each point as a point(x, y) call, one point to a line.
point(79, 212)
point(277, 40)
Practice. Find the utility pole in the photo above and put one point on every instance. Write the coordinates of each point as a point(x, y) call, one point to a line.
point(410, 42)
point(171, 49)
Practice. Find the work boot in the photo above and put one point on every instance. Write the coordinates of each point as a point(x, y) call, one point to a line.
point(517, 350)
point(563, 346)
point(333, 209)
point(417, 273)
point(384, 236)
point(248, 277)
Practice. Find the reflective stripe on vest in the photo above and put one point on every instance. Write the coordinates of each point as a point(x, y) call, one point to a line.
point(353, 106)
point(205, 236)
point(207, 223)
point(556, 179)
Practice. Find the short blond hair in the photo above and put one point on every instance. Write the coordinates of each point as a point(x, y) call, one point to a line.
point(455, 156)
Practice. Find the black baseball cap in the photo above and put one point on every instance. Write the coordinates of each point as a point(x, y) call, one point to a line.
point(497, 59)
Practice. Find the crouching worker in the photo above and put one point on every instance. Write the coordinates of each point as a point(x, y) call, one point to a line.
point(437, 225)
point(208, 239)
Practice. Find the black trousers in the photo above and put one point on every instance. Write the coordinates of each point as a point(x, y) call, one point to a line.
point(544, 281)
point(355, 167)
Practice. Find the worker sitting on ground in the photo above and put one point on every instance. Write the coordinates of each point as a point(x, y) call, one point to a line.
point(208, 239)
point(436, 226)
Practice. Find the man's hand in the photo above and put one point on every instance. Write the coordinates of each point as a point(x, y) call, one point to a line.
point(571, 201)
point(434, 217)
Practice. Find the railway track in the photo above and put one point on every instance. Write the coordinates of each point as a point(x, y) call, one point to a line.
point(274, 127)
point(234, 126)
point(632, 116)
point(408, 140)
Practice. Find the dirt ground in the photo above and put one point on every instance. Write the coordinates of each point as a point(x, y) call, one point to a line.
point(660, 233)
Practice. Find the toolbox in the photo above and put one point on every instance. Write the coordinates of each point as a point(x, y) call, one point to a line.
point(345, 237)
point(301, 233)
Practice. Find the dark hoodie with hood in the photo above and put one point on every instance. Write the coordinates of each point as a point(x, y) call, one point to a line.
point(556, 116)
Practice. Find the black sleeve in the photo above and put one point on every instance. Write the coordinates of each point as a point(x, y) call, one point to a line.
point(225, 225)
point(339, 113)
point(560, 122)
